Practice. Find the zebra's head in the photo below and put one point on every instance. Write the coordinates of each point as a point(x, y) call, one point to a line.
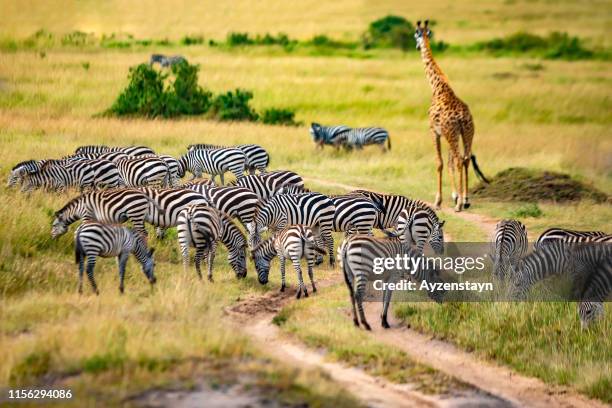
point(148, 266)
point(422, 34)
point(519, 284)
point(436, 239)
point(315, 132)
point(71, 212)
point(262, 261)
point(237, 260)
point(589, 312)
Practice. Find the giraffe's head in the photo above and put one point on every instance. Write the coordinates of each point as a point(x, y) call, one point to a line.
point(422, 34)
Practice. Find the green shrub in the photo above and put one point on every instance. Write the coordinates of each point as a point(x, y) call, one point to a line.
point(324, 41)
point(527, 210)
point(238, 39)
point(188, 97)
point(234, 106)
point(77, 39)
point(390, 31)
point(192, 40)
point(276, 116)
point(555, 46)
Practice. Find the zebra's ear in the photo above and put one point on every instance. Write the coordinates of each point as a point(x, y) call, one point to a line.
point(441, 224)
point(151, 251)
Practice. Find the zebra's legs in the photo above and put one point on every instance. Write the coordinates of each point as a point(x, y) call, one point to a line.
point(329, 241)
point(185, 253)
point(198, 260)
point(91, 264)
point(81, 270)
point(301, 286)
point(211, 258)
point(160, 233)
point(386, 300)
point(122, 258)
point(282, 269)
point(311, 274)
point(349, 284)
point(222, 178)
point(359, 300)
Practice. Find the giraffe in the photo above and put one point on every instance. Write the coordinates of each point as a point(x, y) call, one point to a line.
point(450, 118)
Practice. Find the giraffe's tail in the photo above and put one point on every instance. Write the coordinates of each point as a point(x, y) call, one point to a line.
point(389, 142)
point(477, 170)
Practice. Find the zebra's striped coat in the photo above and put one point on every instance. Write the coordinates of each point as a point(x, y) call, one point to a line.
point(509, 245)
point(266, 185)
point(418, 224)
point(257, 158)
point(213, 162)
point(144, 171)
point(327, 135)
point(359, 137)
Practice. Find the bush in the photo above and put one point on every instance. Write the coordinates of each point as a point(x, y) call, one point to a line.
point(555, 46)
point(390, 31)
point(324, 41)
point(527, 210)
point(146, 94)
point(238, 39)
point(78, 39)
point(275, 116)
point(192, 40)
point(234, 106)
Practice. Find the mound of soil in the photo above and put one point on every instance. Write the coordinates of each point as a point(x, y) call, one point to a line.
point(522, 184)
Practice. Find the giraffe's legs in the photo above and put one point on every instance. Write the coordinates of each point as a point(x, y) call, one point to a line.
point(467, 149)
point(456, 164)
point(451, 175)
point(439, 167)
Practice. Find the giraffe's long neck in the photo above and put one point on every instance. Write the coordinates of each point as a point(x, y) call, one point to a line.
point(437, 80)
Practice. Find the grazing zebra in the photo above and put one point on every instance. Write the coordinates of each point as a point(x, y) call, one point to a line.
point(21, 169)
point(294, 243)
point(56, 175)
point(93, 239)
point(105, 172)
point(418, 224)
point(357, 255)
point(265, 185)
point(570, 236)
point(257, 158)
point(311, 209)
point(326, 135)
point(165, 61)
point(144, 171)
point(509, 245)
point(359, 137)
point(237, 202)
point(391, 204)
point(113, 206)
point(101, 149)
point(597, 289)
point(200, 226)
point(214, 162)
point(110, 156)
point(174, 167)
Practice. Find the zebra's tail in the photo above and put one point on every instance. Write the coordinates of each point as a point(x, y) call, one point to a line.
point(477, 170)
point(389, 142)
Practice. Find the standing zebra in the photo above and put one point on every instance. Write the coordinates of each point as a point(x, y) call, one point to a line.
point(326, 135)
point(166, 61)
point(214, 162)
point(93, 239)
point(110, 206)
point(359, 137)
point(570, 236)
point(100, 149)
point(174, 167)
point(418, 224)
point(509, 245)
point(237, 202)
point(391, 204)
point(144, 171)
point(200, 226)
point(357, 255)
point(311, 209)
point(257, 158)
point(265, 185)
point(293, 242)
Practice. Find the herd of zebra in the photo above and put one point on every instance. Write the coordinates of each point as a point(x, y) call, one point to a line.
point(120, 184)
point(349, 138)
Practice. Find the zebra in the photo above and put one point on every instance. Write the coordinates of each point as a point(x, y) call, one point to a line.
point(293, 242)
point(21, 169)
point(354, 214)
point(597, 289)
point(237, 202)
point(265, 185)
point(214, 162)
point(508, 246)
point(359, 137)
point(257, 158)
point(570, 236)
point(58, 176)
point(147, 171)
point(110, 156)
point(392, 206)
point(174, 167)
point(418, 224)
point(311, 209)
point(326, 135)
point(109, 206)
point(357, 255)
point(105, 172)
point(166, 61)
point(93, 239)
point(101, 149)
point(200, 226)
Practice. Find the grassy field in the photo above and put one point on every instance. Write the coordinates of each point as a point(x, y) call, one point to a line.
point(551, 115)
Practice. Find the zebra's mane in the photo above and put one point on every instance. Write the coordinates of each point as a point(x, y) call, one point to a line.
point(69, 204)
point(25, 163)
point(421, 205)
